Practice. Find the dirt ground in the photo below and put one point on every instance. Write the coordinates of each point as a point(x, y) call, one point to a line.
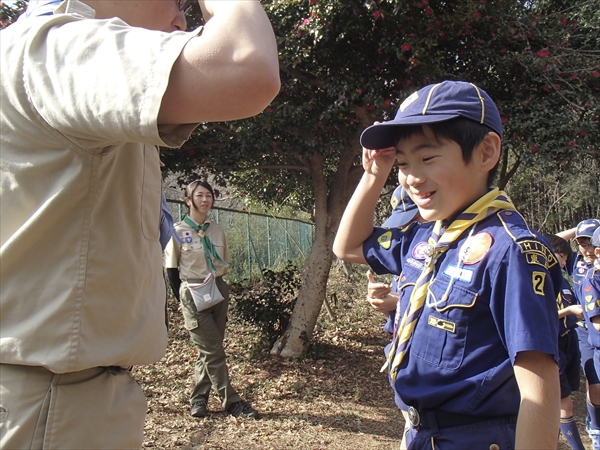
point(335, 398)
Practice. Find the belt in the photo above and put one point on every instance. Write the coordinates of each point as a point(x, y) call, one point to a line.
point(437, 419)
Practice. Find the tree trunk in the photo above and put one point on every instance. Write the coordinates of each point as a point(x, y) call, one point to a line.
point(298, 334)
point(330, 203)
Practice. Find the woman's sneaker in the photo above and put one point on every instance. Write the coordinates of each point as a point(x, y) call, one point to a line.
point(199, 408)
point(242, 409)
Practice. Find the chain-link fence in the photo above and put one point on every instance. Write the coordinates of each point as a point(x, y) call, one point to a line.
point(257, 241)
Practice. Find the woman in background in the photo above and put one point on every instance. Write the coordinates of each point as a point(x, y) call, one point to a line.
point(204, 250)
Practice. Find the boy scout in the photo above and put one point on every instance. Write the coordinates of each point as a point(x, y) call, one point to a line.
point(475, 357)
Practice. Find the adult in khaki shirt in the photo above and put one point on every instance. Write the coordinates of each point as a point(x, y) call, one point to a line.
point(203, 249)
point(88, 95)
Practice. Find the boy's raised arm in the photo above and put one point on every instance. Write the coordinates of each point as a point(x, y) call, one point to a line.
point(230, 71)
point(567, 235)
point(357, 222)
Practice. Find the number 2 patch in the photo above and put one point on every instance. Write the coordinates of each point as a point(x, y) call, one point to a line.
point(538, 279)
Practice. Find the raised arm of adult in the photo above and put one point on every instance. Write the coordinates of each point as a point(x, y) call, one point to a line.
point(230, 71)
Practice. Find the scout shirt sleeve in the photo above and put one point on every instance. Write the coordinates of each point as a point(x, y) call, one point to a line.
point(382, 250)
point(523, 299)
point(101, 82)
point(171, 254)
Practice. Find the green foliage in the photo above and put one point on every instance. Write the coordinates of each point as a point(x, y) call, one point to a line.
point(10, 13)
point(555, 197)
point(268, 305)
point(346, 63)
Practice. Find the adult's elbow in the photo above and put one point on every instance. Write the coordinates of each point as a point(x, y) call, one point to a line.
point(263, 88)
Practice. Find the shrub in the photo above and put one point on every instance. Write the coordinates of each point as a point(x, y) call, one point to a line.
point(268, 304)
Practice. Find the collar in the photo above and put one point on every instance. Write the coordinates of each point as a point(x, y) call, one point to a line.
point(76, 7)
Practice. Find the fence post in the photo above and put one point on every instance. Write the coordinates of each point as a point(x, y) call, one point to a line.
point(248, 245)
point(268, 243)
point(285, 224)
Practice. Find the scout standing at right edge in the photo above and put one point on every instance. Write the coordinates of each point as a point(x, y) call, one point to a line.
point(475, 357)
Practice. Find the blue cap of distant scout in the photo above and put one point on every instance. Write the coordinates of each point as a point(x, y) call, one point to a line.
point(404, 209)
point(586, 228)
point(596, 238)
point(436, 103)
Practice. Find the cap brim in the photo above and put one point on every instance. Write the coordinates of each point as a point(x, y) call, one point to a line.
point(384, 135)
point(399, 218)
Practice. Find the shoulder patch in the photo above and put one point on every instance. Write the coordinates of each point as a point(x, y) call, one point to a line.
point(385, 240)
point(537, 253)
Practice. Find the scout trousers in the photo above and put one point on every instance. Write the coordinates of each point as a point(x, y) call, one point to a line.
point(91, 409)
point(207, 331)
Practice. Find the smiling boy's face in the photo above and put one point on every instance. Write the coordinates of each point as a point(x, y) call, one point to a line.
point(586, 248)
point(436, 176)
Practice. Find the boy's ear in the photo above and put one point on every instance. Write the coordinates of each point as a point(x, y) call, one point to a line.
point(489, 151)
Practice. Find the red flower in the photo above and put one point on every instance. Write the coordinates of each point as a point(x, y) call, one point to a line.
point(563, 21)
point(387, 103)
point(546, 88)
point(428, 11)
point(406, 47)
point(377, 14)
point(477, 14)
point(534, 149)
point(574, 76)
point(543, 53)
point(595, 74)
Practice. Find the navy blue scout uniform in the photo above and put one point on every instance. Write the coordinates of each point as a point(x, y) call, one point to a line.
point(404, 211)
point(568, 345)
point(489, 300)
point(590, 301)
point(578, 267)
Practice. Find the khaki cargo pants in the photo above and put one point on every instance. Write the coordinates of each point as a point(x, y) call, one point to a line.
point(98, 408)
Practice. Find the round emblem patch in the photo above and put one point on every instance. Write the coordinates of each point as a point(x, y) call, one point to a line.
point(475, 248)
point(418, 251)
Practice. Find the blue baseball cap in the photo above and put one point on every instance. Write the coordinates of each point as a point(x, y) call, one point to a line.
point(596, 238)
point(404, 209)
point(432, 104)
point(586, 228)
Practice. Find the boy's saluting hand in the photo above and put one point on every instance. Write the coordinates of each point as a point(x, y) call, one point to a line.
point(379, 162)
